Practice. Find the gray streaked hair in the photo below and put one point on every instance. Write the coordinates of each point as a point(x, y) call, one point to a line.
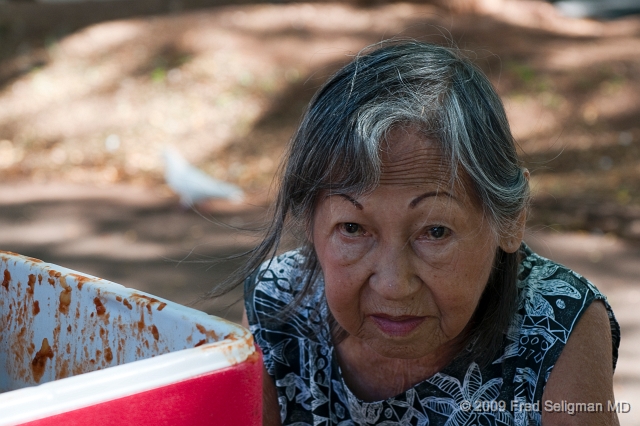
point(337, 146)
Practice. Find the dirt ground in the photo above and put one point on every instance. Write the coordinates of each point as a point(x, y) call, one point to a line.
point(85, 114)
point(227, 86)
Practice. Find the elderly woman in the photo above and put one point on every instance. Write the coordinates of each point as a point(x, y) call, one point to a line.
point(412, 299)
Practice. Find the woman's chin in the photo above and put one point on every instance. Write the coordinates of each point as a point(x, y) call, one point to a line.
point(398, 351)
point(412, 346)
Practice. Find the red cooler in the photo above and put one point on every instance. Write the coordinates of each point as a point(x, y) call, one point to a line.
point(79, 350)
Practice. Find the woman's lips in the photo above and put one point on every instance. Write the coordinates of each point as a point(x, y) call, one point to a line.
point(396, 326)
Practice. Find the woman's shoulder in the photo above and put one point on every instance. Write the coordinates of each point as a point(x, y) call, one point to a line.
point(552, 299)
point(551, 290)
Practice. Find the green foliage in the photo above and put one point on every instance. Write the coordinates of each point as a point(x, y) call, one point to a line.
point(159, 74)
point(523, 72)
point(527, 79)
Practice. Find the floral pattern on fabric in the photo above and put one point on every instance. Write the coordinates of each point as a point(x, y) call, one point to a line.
point(300, 356)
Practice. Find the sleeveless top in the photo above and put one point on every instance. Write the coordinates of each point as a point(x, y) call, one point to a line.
point(300, 356)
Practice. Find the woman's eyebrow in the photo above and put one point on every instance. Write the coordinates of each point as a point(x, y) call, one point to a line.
point(412, 204)
point(348, 197)
point(419, 198)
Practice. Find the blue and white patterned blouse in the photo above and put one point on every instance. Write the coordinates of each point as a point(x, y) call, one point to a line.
point(301, 358)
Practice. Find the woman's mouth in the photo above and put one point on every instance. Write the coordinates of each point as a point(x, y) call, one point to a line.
point(397, 326)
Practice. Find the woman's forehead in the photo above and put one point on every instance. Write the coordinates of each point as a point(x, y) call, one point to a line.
point(410, 158)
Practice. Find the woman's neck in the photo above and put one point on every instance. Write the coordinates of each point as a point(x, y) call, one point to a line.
point(373, 377)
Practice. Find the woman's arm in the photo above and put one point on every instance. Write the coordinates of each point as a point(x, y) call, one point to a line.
point(270, 407)
point(583, 373)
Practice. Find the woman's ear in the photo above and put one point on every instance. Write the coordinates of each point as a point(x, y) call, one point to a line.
point(511, 242)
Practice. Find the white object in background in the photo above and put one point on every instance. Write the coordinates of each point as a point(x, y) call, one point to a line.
point(192, 184)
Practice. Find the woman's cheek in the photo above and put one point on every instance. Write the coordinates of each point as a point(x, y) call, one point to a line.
point(342, 289)
point(343, 266)
point(345, 251)
point(439, 255)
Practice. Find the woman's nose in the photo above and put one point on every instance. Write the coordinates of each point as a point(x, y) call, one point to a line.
point(394, 277)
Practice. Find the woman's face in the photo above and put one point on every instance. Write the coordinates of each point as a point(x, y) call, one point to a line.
point(404, 266)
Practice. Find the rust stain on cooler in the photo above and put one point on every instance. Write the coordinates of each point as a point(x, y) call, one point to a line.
point(108, 355)
point(7, 256)
point(210, 334)
point(141, 322)
point(62, 371)
point(253, 358)
point(100, 309)
point(230, 351)
point(31, 283)
point(141, 299)
point(36, 308)
point(18, 329)
point(39, 363)
point(65, 295)
point(154, 332)
point(81, 279)
point(56, 334)
point(7, 279)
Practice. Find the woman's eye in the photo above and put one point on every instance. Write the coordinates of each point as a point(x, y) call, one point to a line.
point(351, 229)
point(437, 232)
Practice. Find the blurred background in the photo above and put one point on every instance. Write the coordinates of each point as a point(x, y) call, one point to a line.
point(92, 92)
